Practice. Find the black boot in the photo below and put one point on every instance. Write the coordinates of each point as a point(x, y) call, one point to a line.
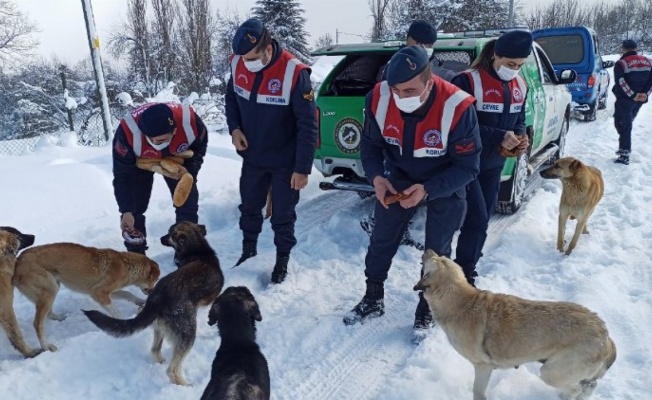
point(248, 251)
point(280, 268)
point(372, 305)
point(422, 320)
point(622, 159)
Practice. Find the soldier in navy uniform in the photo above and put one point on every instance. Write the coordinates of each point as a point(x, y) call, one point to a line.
point(424, 132)
point(500, 104)
point(270, 113)
point(633, 85)
point(154, 130)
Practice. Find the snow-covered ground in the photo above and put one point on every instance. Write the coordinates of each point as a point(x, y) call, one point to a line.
point(65, 194)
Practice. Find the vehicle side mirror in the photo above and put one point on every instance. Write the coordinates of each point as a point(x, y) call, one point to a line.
point(608, 64)
point(566, 76)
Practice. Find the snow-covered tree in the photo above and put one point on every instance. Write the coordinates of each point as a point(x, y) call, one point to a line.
point(324, 41)
point(402, 13)
point(16, 32)
point(285, 20)
point(477, 14)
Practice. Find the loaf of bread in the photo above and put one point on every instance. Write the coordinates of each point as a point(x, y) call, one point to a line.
point(182, 191)
point(393, 198)
point(170, 166)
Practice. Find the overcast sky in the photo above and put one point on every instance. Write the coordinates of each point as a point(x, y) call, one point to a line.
point(63, 33)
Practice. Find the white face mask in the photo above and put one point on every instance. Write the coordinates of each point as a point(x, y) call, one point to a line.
point(506, 74)
point(158, 147)
point(409, 104)
point(256, 65)
point(429, 51)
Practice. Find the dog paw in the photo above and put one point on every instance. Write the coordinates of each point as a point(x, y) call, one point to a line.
point(158, 358)
point(50, 347)
point(31, 353)
point(568, 252)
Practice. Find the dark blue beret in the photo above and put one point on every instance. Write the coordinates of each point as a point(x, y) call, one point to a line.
point(629, 44)
point(514, 44)
point(407, 63)
point(156, 120)
point(423, 32)
point(247, 36)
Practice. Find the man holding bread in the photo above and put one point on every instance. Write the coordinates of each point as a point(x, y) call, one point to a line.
point(424, 132)
point(166, 138)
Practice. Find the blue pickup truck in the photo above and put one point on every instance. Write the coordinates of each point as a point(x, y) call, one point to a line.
point(578, 48)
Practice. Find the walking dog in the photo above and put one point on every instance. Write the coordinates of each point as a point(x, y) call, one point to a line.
point(239, 370)
point(172, 305)
point(502, 331)
point(99, 273)
point(11, 242)
point(583, 188)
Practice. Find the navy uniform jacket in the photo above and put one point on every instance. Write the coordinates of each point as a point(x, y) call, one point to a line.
point(278, 136)
point(441, 176)
point(632, 76)
point(493, 126)
point(124, 165)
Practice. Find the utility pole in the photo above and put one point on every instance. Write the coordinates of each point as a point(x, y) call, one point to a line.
point(337, 36)
point(510, 18)
point(94, 44)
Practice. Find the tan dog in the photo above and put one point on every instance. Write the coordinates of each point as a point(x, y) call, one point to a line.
point(583, 188)
point(100, 273)
point(502, 331)
point(12, 241)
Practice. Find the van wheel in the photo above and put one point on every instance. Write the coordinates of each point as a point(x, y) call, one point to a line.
point(561, 141)
point(511, 192)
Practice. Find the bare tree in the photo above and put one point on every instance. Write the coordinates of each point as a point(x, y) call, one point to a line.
point(378, 12)
point(196, 29)
point(16, 32)
point(326, 40)
point(163, 31)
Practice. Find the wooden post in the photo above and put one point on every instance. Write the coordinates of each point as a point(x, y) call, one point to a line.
point(63, 83)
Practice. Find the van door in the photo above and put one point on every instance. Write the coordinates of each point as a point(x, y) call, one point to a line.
point(553, 113)
point(535, 107)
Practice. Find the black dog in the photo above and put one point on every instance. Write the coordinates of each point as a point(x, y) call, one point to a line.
point(239, 370)
point(172, 305)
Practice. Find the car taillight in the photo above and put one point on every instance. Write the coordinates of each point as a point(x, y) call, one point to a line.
point(591, 81)
point(317, 117)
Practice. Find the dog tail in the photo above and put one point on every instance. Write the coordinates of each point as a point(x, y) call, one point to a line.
point(123, 327)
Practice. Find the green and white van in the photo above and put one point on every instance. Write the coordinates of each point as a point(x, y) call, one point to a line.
point(340, 102)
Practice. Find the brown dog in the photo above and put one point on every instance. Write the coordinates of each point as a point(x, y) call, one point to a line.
point(172, 306)
point(583, 188)
point(12, 241)
point(100, 273)
point(494, 331)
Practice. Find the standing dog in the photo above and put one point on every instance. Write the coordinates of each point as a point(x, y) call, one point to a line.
point(501, 331)
point(172, 305)
point(583, 188)
point(239, 370)
point(11, 242)
point(100, 273)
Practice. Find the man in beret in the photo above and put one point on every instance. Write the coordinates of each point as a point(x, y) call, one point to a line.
point(424, 132)
point(632, 86)
point(154, 131)
point(423, 33)
point(270, 112)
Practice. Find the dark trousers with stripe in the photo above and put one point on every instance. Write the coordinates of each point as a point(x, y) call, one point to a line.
point(143, 182)
point(255, 183)
point(444, 217)
point(624, 114)
point(481, 200)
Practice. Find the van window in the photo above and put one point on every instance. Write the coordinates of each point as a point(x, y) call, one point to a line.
point(563, 49)
point(356, 74)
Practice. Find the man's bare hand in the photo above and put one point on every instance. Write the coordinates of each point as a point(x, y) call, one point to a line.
point(381, 187)
point(127, 222)
point(416, 193)
point(239, 140)
point(298, 181)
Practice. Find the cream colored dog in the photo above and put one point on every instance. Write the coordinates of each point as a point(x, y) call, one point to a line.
point(502, 331)
point(100, 273)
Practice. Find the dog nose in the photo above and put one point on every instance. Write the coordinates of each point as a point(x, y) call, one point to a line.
point(147, 291)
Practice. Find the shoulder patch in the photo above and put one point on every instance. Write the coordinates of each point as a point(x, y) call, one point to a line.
point(120, 149)
point(310, 96)
point(465, 146)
